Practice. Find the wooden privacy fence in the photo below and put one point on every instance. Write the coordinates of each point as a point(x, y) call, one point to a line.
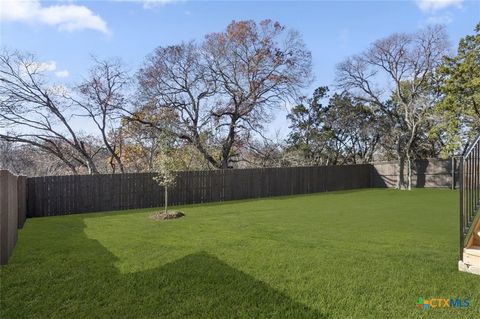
point(60, 195)
point(12, 211)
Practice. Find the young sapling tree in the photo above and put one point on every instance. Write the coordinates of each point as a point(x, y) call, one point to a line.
point(165, 176)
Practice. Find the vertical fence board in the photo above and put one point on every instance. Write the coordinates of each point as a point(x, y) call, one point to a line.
point(22, 200)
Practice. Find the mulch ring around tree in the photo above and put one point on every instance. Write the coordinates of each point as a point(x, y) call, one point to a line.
point(171, 214)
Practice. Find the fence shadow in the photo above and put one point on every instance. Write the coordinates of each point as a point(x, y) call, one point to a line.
point(378, 180)
point(421, 171)
point(77, 278)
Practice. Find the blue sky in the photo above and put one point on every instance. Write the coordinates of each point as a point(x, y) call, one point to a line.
point(64, 34)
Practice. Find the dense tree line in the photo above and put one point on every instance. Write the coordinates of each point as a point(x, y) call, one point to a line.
point(207, 104)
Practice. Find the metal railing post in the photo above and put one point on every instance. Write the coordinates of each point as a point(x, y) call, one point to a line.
point(461, 183)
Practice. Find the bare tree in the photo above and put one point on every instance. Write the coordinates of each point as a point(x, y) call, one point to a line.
point(15, 158)
point(264, 151)
point(25, 159)
point(37, 114)
point(102, 96)
point(228, 85)
point(395, 76)
point(174, 87)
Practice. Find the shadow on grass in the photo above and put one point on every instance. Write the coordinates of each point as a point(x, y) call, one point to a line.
point(60, 273)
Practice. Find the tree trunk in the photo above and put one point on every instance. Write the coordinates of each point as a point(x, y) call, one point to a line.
point(224, 163)
point(228, 144)
point(112, 165)
point(166, 199)
point(196, 142)
point(409, 172)
point(72, 168)
point(402, 153)
point(408, 147)
point(92, 168)
point(70, 165)
point(401, 172)
point(114, 155)
point(119, 161)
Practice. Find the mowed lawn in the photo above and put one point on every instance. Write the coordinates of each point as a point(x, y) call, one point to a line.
point(356, 254)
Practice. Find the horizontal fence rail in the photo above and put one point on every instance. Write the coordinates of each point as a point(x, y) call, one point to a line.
point(61, 195)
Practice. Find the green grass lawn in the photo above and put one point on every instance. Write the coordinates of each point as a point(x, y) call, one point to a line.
point(359, 254)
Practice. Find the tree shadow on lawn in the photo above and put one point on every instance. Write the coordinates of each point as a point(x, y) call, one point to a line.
point(60, 273)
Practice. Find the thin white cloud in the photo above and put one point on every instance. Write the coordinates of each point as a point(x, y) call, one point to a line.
point(62, 74)
point(49, 66)
point(154, 3)
point(445, 19)
point(66, 17)
point(147, 4)
point(434, 5)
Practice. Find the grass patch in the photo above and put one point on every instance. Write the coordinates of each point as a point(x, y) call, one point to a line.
point(359, 254)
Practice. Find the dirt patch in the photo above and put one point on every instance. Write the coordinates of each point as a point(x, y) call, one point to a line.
point(171, 214)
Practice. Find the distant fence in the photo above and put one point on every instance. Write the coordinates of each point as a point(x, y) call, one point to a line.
point(426, 173)
point(60, 195)
point(12, 211)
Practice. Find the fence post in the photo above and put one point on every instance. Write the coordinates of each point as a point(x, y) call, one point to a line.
point(453, 172)
point(8, 214)
point(462, 208)
point(22, 200)
point(3, 217)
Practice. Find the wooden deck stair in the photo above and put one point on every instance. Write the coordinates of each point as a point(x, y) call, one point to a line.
point(471, 254)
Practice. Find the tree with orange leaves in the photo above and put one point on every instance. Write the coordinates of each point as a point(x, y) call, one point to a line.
point(221, 90)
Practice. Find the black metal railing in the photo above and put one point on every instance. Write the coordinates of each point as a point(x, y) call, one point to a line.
point(469, 191)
